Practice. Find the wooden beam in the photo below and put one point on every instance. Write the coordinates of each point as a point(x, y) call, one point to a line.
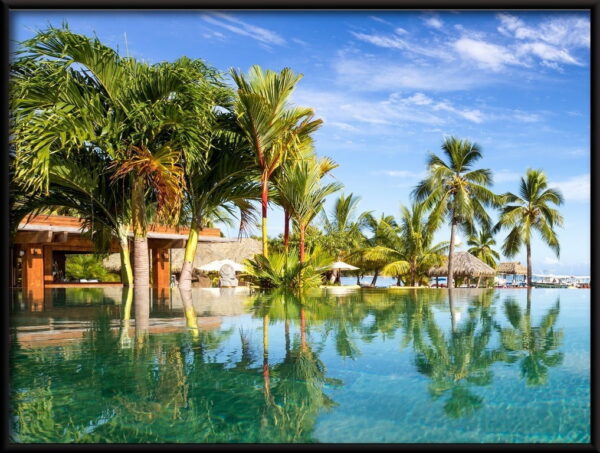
point(166, 243)
point(61, 236)
point(161, 268)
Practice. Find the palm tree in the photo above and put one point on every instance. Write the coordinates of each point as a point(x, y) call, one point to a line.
point(343, 229)
point(325, 165)
point(273, 128)
point(528, 212)
point(302, 192)
point(82, 185)
point(481, 247)
point(453, 190)
point(409, 250)
point(85, 96)
point(225, 183)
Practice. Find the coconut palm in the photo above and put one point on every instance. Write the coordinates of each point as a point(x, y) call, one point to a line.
point(530, 211)
point(273, 128)
point(302, 192)
point(409, 251)
point(85, 96)
point(457, 192)
point(481, 247)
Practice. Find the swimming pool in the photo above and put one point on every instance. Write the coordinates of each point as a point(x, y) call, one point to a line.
point(409, 366)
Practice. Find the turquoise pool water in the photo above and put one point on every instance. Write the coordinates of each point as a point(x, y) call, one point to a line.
point(365, 366)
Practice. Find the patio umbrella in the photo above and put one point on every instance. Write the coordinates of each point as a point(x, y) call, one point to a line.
point(215, 266)
point(342, 266)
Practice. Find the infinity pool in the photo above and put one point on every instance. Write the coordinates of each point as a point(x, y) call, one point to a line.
point(410, 366)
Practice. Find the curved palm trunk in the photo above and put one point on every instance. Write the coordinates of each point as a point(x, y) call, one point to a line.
point(374, 281)
point(358, 279)
point(127, 299)
point(126, 270)
point(451, 255)
point(264, 203)
point(398, 281)
point(185, 278)
point(286, 231)
point(141, 264)
point(529, 266)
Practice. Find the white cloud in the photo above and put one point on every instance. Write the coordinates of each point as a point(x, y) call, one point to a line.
point(395, 42)
point(344, 126)
point(486, 55)
point(434, 22)
point(551, 260)
point(368, 74)
point(400, 31)
point(379, 19)
point(566, 31)
point(546, 53)
point(575, 189)
point(239, 27)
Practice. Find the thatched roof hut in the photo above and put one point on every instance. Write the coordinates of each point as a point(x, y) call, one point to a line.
point(511, 268)
point(465, 265)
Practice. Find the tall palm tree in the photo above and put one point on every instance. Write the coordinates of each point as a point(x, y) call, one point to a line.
point(455, 191)
point(409, 250)
point(303, 193)
point(85, 96)
point(481, 247)
point(273, 128)
point(224, 184)
point(530, 211)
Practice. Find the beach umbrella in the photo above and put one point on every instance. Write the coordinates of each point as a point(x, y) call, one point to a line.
point(342, 266)
point(215, 266)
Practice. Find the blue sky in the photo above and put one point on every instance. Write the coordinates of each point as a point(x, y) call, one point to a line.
point(391, 85)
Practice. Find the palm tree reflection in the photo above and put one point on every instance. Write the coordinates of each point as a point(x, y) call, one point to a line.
point(534, 347)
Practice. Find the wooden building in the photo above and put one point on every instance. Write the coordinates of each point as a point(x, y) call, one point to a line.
point(41, 243)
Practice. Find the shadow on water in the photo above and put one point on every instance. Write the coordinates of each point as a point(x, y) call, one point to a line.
point(181, 376)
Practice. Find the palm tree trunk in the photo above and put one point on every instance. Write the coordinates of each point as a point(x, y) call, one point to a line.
point(451, 255)
point(451, 304)
point(413, 277)
point(142, 313)
point(302, 329)
point(191, 320)
point(126, 270)
point(185, 278)
point(358, 279)
point(478, 281)
point(375, 278)
point(266, 371)
point(286, 230)
point(302, 231)
point(264, 203)
point(141, 264)
point(398, 280)
point(529, 267)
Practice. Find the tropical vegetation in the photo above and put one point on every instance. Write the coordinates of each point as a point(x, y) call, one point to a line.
point(122, 143)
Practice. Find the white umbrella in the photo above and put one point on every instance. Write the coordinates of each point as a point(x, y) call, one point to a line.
point(215, 266)
point(342, 266)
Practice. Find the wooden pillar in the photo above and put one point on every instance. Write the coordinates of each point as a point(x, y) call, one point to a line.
point(161, 268)
point(48, 277)
point(33, 275)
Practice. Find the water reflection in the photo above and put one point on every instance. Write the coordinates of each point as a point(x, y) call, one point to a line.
point(187, 378)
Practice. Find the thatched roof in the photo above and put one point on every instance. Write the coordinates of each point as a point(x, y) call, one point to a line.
point(511, 267)
point(465, 265)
